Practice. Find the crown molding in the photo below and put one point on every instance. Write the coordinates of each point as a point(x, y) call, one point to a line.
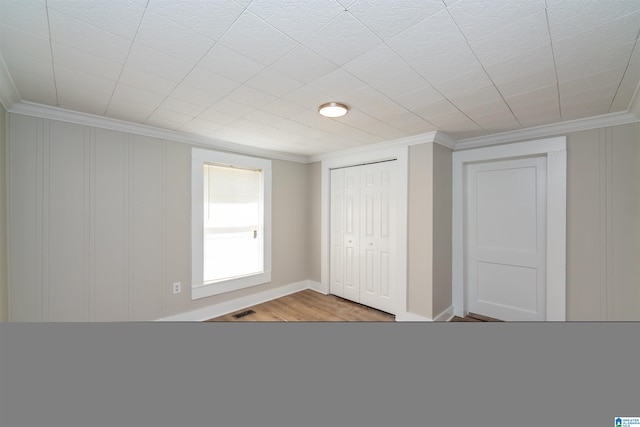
point(8, 93)
point(56, 113)
point(605, 120)
point(436, 137)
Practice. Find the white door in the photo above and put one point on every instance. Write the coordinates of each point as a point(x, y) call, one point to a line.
point(362, 209)
point(506, 238)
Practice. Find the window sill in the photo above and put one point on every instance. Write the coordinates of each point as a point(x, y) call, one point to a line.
point(217, 288)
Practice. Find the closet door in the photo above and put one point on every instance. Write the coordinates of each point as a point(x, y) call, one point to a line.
point(376, 262)
point(361, 239)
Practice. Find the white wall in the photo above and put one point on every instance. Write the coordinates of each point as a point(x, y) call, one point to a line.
point(100, 224)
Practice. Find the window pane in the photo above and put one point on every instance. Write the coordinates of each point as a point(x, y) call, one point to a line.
point(232, 222)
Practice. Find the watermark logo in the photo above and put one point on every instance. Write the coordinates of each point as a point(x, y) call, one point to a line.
point(627, 422)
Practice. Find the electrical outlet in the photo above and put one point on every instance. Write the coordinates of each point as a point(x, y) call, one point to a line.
point(177, 288)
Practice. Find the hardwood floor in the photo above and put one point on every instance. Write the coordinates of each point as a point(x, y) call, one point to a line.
point(472, 317)
point(311, 306)
point(307, 306)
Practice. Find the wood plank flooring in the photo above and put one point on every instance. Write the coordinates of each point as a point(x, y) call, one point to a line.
point(308, 306)
point(311, 306)
point(473, 317)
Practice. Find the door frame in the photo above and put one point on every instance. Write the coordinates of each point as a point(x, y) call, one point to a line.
point(401, 155)
point(555, 151)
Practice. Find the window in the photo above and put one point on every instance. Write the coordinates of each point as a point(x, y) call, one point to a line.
point(231, 222)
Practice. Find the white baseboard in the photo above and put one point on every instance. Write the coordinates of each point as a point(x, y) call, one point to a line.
point(445, 316)
point(318, 287)
point(411, 317)
point(227, 307)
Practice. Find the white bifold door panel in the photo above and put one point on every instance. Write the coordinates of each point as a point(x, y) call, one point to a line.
point(506, 238)
point(362, 209)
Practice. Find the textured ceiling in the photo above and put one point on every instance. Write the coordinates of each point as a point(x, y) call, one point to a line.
point(253, 72)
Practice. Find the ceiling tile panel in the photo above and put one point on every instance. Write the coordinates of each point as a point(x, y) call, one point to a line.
point(175, 105)
point(123, 109)
point(218, 117)
point(479, 18)
point(499, 106)
point(71, 81)
point(193, 95)
point(210, 18)
point(273, 82)
point(387, 18)
point(29, 16)
point(282, 108)
point(372, 125)
point(157, 63)
point(298, 19)
point(307, 97)
point(250, 96)
point(18, 62)
point(263, 117)
point(426, 95)
point(76, 33)
point(382, 68)
point(230, 64)
point(431, 37)
point(570, 17)
point(454, 123)
point(88, 102)
point(627, 86)
point(139, 100)
point(510, 41)
point(26, 43)
point(337, 83)
point(477, 97)
point(118, 17)
point(497, 121)
point(541, 96)
point(257, 40)
point(464, 84)
point(35, 87)
point(303, 65)
point(525, 72)
point(133, 77)
point(374, 103)
point(214, 84)
point(86, 62)
point(448, 65)
point(342, 39)
point(201, 127)
point(172, 39)
point(575, 61)
point(442, 106)
point(231, 107)
point(410, 123)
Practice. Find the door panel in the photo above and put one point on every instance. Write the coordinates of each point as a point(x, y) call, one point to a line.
point(506, 238)
point(362, 201)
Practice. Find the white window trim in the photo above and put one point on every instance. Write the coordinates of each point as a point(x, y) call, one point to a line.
point(198, 158)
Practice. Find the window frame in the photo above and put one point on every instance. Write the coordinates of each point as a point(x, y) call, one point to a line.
point(199, 157)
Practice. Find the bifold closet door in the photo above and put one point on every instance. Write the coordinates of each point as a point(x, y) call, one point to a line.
point(362, 209)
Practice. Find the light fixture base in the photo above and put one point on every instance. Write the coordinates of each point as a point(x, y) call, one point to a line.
point(333, 109)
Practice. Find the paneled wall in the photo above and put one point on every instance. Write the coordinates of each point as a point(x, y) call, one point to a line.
point(4, 278)
point(603, 224)
point(99, 224)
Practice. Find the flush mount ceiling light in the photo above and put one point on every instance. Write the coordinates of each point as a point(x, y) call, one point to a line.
point(333, 109)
